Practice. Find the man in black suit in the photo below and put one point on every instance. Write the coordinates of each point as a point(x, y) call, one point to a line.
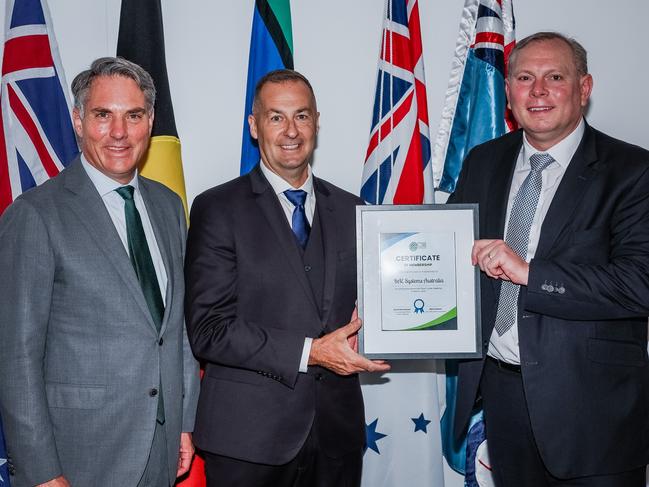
point(564, 221)
point(271, 287)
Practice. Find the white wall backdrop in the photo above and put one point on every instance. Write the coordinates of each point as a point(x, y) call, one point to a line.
point(336, 46)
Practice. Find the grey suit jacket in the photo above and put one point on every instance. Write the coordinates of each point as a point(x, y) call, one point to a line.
point(79, 352)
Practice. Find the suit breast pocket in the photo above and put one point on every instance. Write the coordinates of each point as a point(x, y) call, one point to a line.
point(74, 396)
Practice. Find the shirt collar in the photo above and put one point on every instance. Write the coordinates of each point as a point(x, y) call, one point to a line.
point(103, 183)
point(562, 152)
point(280, 185)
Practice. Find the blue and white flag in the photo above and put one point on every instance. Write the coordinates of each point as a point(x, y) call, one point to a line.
point(36, 135)
point(475, 109)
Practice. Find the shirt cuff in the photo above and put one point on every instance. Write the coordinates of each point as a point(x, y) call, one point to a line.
point(304, 361)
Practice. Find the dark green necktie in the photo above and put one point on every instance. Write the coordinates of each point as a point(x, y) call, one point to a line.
point(142, 262)
point(141, 259)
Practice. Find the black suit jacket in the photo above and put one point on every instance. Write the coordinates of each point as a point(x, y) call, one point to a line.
point(584, 350)
point(249, 308)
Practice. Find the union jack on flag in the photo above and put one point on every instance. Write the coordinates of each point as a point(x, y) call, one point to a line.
point(36, 135)
point(397, 166)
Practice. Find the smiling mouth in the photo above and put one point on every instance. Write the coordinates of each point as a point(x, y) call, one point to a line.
point(539, 109)
point(290, 146)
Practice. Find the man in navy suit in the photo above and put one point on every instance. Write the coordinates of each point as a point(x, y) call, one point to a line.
point(271, 287)
point(564, 255)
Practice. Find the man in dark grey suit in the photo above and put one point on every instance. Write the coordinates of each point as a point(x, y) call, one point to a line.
point(271, 287)
point(564, 254)
point(99, 385)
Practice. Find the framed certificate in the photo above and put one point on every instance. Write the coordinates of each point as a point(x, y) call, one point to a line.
point(418, 293)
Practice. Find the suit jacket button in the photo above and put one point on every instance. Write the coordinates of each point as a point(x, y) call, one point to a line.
point(307, 268)
point(160, 342)
point(549, 288)
point(153, 392)
point(319, 376)
point(561, 290)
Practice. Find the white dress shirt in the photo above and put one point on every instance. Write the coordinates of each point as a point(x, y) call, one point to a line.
point(280, 185)
point(115, 205)
point(505, 347)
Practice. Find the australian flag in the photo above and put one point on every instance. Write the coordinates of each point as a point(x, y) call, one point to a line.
point(36, 136)
point(475, 110)
point(397, 166)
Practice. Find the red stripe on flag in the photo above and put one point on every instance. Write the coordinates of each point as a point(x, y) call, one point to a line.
point(396, 50)
point(410, 190)
point(393, 121)
point(422, 106)
point(5, 186)
point(492, 37)
point(27, 52)
point(32, 131)
point(415, 34)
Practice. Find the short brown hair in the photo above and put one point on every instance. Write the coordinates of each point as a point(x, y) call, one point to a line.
point(280, 76)
point(579, 54)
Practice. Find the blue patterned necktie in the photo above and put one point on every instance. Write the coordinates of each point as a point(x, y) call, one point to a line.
point(518, 236)
point(300, 224)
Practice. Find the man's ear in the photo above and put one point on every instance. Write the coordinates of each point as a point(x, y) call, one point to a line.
point(252, 124)
point(77, 122)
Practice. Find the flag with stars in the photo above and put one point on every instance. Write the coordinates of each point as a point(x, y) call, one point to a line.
point(401, 408)
point(475, 109)
point(36, 136)
point(402, 427)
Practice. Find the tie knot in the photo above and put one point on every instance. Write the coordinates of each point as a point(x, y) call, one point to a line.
point(540, 160)
point(126, 192)
point(296, 196)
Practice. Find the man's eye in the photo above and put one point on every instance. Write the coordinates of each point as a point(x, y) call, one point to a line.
point(101, 115)
point(275, 118)
point(302, 116)
point(523, 77)
point(135, 116)
point(556, 77)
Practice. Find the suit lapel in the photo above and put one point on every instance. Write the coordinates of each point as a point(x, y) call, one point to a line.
point(324, 207)
point(86, 203)
point(571, 190)
point(160, 230)
point(272, 211)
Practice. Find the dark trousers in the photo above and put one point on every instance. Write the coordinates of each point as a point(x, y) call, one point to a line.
point(515, 459)
point(310, 468)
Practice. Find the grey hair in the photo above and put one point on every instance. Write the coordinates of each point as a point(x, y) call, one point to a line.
point(279, 76)
point(112, 66)
point(579, 54)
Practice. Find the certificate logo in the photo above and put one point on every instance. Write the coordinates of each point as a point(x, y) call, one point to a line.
point(419, 305)
point(414, 246)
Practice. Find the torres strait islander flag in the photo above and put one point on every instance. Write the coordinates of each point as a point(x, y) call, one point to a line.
point(36, 136)
point(271, 47)
point(141, 40)
point(397, 166)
